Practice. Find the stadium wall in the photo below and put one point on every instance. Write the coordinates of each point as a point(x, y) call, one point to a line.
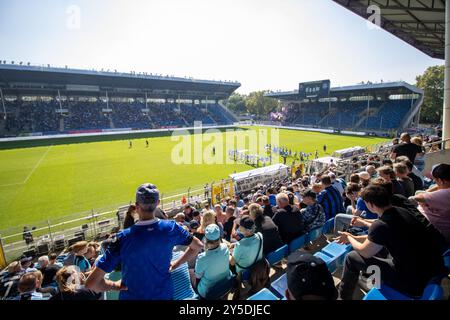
point(96, 136)
point(38, 139)
point(349, 133)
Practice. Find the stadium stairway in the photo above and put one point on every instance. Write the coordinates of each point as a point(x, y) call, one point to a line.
point(111, 123)
point(228, 113)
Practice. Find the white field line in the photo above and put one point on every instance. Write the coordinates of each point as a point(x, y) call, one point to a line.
point(31, 172)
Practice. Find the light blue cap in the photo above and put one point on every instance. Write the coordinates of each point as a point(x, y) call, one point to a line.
point(212, 232)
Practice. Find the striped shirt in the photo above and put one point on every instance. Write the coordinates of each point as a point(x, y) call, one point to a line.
point(331, 201)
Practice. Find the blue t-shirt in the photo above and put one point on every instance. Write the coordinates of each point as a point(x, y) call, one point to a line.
point(366, 214)
point(273, 200)
point(212, 266)
point(331, 201)
point(144, 252)
point(82, 263)
point(245, 251)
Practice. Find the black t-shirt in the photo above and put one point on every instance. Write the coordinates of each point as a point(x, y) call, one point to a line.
point(228, 228)
point(418, 183)
point(269, 211)
point(290, 223)
point(199, 235)
point(269, 230)
point(408, 186)
point(49, 274)
point(159, 213)
point(9, 286)
point(403, 202)
point(407, 149)
point(416, 256)
point(80, 294)
point(397, 187)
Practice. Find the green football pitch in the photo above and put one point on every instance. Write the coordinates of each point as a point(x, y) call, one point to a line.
point(45, 180)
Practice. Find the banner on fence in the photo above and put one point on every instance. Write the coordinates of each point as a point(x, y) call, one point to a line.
point(221, 190)
point(297, 170)
point(245, 181)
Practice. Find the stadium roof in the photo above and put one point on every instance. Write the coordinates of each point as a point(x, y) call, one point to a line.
point(356, 90)
point(38, 79)
point(421, 23)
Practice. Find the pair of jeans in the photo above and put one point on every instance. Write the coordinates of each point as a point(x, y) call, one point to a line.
point(342, 221)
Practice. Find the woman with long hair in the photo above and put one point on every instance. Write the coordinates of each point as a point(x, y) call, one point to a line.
point(70, 285)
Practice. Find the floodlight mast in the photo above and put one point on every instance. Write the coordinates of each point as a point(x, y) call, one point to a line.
point(3, 103)
point(59, 101)
point(446, 111)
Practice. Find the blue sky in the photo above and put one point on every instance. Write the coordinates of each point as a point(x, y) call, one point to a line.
point(264, 44)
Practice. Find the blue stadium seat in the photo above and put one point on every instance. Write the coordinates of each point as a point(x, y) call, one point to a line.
point(113, 276)
point(447, 259)
point(328, 226)
point(181, 280)
point(314, 234)
point(432, 292)
point(374, 294)
point(298, 243)
point(278, 255)
point(263, 295)
point(331, 262)
point(337, 251)
point(279, 286)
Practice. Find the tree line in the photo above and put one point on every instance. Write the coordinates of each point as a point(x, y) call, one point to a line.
point(254, 103)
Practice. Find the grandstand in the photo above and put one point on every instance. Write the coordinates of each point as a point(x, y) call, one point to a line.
point(42, 101)
point(378, 108)
point(46, 100)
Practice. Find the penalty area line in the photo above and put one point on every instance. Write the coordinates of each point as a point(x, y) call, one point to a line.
point(31, 172)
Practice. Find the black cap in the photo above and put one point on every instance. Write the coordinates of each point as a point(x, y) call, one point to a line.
point(247, 223)
point(147, 194)
point(25, 259)
point(194, 224)
point(309, 193)
point(309, 275)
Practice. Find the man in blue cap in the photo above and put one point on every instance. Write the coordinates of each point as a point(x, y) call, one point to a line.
point(144, 252)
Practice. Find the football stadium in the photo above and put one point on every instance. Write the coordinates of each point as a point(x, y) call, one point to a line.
point(142, 186)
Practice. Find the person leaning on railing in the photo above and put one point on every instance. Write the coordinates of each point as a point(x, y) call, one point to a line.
point(144, 252)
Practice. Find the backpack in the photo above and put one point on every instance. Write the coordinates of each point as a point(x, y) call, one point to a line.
point(259, 276)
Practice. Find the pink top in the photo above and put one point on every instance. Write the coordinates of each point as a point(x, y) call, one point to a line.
point(437, 210)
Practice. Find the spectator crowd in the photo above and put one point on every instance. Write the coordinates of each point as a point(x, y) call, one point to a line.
point(393, 216)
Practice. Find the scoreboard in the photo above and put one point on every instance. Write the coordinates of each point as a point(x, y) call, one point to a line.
point(315, 89)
